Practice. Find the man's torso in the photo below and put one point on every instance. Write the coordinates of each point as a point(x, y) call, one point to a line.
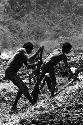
point(16, 62)
point(55, 58)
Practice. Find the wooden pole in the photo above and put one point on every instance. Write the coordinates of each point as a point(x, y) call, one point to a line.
point(65, 87)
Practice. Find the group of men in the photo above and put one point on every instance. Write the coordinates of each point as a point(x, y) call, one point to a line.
point(22, 57)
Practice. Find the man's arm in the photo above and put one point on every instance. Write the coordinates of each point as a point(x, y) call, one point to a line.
point(68, 67)
point(28, 59)
point(31, 58)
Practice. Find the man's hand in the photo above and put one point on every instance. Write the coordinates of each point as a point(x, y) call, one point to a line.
point(33, 57)
point(42, 47)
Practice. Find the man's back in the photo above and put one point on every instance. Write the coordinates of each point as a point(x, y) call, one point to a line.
point(51, 55)
point(17, 60)
point(55, 57)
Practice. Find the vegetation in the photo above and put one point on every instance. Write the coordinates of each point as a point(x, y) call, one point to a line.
point(48, 23)
point(65, 108)
point(38, 20)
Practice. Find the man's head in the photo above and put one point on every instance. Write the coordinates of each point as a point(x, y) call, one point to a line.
point(66, 47)
point(28, 46)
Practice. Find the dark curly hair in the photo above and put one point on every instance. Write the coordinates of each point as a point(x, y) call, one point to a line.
point(66, 47)
point(28, 45)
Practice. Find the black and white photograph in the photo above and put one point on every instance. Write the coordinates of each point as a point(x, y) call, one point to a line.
point(41, 62)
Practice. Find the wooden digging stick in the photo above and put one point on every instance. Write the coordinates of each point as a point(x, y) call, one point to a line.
point(65, 86)
point(35, 92)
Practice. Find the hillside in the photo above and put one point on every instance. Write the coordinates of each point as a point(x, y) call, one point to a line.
point(48, 23)
point(65, 108)
point(41, 25)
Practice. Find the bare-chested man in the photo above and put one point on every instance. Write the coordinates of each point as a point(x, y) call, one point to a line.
point(48, 67)
point(14, 64)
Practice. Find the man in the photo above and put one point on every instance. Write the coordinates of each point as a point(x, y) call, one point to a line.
point(14, 64)
point(48, 67)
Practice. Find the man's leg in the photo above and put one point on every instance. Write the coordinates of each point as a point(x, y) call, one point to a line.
point(22, 87)
point(47, 80)
point(36, 88)
point(53, 79)
point(19, 93)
